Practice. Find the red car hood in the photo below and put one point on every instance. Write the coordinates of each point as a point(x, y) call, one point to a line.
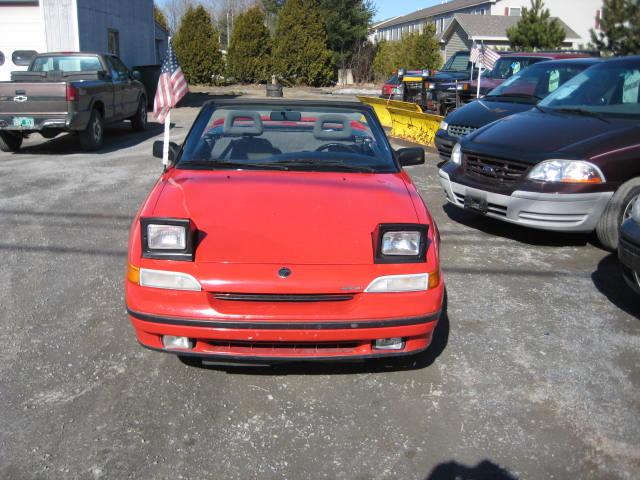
point(285, 217)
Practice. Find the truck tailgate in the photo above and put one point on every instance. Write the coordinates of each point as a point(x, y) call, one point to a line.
point(33, 98)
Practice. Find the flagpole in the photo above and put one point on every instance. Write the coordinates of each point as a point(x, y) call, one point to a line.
point(480, 69)
point(167, 128)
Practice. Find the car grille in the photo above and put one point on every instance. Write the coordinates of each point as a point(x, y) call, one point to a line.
point(293, 349)
point(495, 169)
point(259, 297)
point(460, 131)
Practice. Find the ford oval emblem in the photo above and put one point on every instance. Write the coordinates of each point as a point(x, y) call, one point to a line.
point(20, 98)
point(284, 272)
point(487, 170)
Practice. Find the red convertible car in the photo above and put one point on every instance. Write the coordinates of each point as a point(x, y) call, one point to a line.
point(285, 231)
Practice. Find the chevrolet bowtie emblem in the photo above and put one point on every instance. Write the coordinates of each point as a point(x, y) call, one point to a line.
point(20, 98)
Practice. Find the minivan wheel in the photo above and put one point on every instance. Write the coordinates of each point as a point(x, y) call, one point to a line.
point(139, 120)
point(10, 142)
point(617, 211)
point(92, 137)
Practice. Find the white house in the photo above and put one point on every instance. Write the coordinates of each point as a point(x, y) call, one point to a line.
point(579, 15)
point(124, 27)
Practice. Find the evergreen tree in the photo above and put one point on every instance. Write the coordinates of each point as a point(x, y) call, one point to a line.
point(197, 48)
point(420, 50)
point(620, 28)
point(160, 17)
point(300, 52)
point(536, 29)
point(386, 60)
point(347, 24)
point(250, 48)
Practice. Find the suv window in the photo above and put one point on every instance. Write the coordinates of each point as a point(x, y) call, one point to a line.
point(1, 59)
point(22, 58)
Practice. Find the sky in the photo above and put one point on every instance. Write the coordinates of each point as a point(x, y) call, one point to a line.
point(393, 8)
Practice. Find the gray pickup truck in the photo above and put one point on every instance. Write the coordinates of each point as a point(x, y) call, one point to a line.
point(70, 92)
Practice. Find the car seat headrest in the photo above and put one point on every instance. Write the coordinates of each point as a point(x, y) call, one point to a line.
point(246, 129)
point(325, 127)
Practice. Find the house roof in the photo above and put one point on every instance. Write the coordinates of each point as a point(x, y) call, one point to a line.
point(381, 23)
point(451, 6)
point(484, 27)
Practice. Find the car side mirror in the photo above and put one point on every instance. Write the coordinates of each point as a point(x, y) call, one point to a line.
point(136, 75)
point(173, 150)
point(410, 156)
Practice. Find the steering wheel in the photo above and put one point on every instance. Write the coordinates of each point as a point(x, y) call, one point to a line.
point(338, 146)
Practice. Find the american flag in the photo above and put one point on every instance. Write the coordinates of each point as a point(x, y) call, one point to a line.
point(489, 58)
point(172, 86)
point(475, 53)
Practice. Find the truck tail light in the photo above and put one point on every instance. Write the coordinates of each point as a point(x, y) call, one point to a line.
point(72, 93)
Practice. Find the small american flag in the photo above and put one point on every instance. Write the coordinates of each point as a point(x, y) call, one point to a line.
point(475, 53)
point(172, 86)
point(489, 58)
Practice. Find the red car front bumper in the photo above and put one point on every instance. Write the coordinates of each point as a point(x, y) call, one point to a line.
point(256, 331)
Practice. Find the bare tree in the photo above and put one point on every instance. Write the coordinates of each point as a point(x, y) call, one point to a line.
point(174, 10)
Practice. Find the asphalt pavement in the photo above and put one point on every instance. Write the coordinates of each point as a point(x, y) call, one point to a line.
point(534, 372)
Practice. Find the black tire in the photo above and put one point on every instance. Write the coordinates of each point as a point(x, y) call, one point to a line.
point(618, 210)
point(139, 120)
point(92, 137)
point(10, 142)
point(274, 91)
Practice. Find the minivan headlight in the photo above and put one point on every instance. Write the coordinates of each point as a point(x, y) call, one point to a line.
point(444, 125)
point(566, 171)
point(456, 154)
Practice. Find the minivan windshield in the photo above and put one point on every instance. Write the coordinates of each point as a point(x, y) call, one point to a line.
point(611, 89)
point(537, 81)
point(507, 67)
point(281, 137)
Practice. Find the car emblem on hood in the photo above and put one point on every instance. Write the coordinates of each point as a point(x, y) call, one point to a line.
point(20, 98)
point(284, 272)
point(487, 170)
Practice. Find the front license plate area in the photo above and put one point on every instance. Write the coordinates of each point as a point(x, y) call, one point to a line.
point(23, 122)
point(476, 204)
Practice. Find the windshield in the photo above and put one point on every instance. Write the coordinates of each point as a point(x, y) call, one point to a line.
point(507, 67)
point(72, 63)
point(609, 89)
point(458, 63)
point(287, 138)
point(538, 81)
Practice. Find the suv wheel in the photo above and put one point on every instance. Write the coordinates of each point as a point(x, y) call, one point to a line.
point(139, 120)
point(10, 142)
point(92, 137)
point(617, 211)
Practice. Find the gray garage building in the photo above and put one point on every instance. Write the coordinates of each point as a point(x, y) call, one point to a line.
point(124, 27)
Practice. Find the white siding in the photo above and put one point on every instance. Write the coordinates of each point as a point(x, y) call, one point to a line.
point(20, 29)
point(132, 19)
point(60, 25)
point(580, 15)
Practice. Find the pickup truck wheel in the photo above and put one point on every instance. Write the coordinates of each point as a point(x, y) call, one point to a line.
point(617, 211)
point(92, 137)
point(10, 142)
point(139, 120)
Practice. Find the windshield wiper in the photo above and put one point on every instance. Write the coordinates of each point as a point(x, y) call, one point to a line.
point(325, 164)
point(517, 95)
point(227, 164)
point(582, 111)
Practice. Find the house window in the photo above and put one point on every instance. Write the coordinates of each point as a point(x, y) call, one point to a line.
point(114, 42)
point(440, 25)
point(159, 50)
point(514, 11)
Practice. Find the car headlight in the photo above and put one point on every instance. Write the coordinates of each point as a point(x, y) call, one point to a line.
point(566, 171)
point(444, 125)
point(400, 243)
point(167, 238)
point(456, 154)
point(431, 86)
point(168, 280)
point(635, 211)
